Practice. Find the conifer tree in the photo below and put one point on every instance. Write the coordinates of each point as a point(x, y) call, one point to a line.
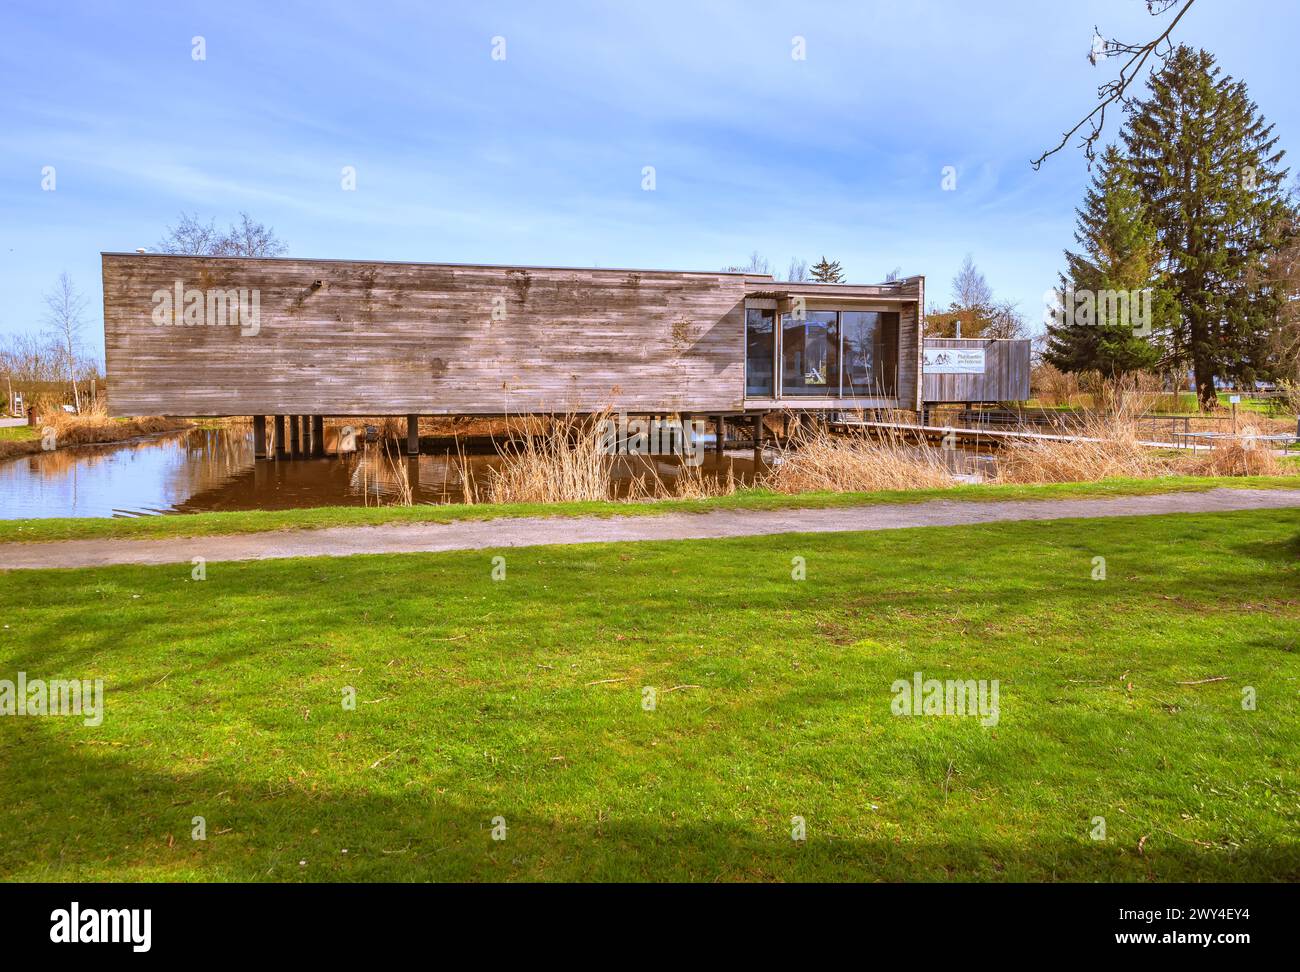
point(1208, 169)
point(1115, 309)
point(826, 271)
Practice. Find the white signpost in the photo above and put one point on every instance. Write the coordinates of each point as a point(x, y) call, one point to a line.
point(953, 361)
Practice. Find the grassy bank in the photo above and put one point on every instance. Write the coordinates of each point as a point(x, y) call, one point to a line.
point(77, 430)
point(522, 699)
point(254, 521)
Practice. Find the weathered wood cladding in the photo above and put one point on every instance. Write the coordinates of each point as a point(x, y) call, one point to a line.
point(1005, 378)
point(355, 338)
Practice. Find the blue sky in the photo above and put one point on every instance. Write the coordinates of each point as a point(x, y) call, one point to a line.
point(538, 158)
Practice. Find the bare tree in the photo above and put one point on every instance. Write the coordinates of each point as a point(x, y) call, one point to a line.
point(1115, 91)
point(798, 272)
point(248, 238)
point(757, 265)
point(190, 236)
point(974, 312)
point(65, 319)
point(969, 288)
point(251, 239)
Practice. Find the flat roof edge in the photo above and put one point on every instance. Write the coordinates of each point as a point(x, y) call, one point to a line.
point(428, 263)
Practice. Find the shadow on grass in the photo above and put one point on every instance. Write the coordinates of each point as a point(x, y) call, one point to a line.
point(73, 816)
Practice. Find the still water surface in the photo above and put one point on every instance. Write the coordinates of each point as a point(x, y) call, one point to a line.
point(214, 469)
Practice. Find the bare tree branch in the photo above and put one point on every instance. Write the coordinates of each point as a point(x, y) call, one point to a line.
point(1115, 91)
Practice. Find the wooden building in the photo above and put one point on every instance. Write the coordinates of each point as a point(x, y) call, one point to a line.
point(214, 336)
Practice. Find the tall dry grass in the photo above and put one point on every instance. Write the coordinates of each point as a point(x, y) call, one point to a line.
point(1108, 445)
point(565, 460)
point(818, 460)
point(1239, 456)
point(551, 462)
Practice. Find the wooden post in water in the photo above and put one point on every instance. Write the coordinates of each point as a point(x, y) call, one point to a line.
point(259, 437)
point(318, 436)
point(412, 435)
point(721, 423)
point(280, 451)
point(295, 435)
point(758, 440)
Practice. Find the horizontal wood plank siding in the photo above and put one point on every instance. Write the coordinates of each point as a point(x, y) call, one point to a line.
point(387, 338)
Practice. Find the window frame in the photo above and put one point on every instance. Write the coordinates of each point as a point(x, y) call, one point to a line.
point(778, 348)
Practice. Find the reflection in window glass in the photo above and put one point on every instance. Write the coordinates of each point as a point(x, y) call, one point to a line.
point(760, 352)
point(810, 354)
point(870, 353)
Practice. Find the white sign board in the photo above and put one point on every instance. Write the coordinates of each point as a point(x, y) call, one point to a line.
point(1234, 399)
point(954, 361)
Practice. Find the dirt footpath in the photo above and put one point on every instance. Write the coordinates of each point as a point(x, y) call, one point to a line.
point(533, 531)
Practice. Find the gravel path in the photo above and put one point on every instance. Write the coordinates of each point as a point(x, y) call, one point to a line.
point(532, 531)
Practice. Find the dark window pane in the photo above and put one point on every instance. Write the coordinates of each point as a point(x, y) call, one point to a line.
point(760, 352)
point(810, 355)
point(870, 354)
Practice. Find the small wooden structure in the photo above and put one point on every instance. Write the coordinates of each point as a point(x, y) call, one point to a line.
point(975, 370)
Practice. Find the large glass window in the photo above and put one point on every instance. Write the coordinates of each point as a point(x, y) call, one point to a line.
point(824, 354)
point(810, 358)
point(760, 352)
point(870, 353)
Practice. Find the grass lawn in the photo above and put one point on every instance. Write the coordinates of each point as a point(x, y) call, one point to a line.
point(253, 521)
point(18, 433)
point(522, 699)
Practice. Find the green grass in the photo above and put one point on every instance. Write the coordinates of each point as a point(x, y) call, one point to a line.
point(255, 521)
point(522, 699)
point(18, 433)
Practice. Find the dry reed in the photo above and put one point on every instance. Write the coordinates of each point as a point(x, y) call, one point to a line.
point(821, 461)
point(552, 462)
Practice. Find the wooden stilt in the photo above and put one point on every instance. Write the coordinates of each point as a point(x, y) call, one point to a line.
point(758, 439)
point(412, 435)
point(318, 436)
point(721, 424)
point(281, 443)
point(259, 437)
point(295, 435)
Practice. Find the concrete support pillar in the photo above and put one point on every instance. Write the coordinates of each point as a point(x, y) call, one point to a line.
point(259, 437)
point(412, 435)
point(281, 443)
point(318, 436)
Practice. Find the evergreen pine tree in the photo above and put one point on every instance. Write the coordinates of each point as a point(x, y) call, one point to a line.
point(826, 271)
point(1109, 325)
point(1207, 166)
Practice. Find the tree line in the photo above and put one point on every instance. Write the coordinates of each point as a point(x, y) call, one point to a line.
point(1187, 242)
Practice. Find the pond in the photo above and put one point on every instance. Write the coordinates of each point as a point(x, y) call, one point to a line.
point(214, 469)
